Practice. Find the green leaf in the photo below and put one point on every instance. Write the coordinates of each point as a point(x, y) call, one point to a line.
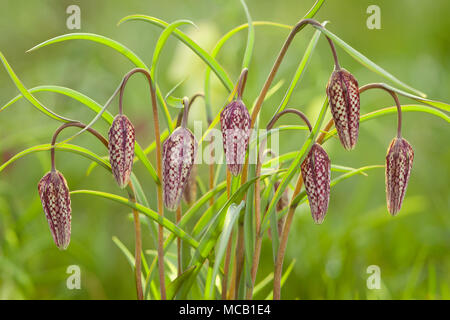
point(209, 239)
point(169, 225)
point(369, 64)
point(250, 38)
point(130, 55)
point(230, 221)
point(175, 285)
point(35, 102)
point(211, 62)
point(302, 195)
point(96, 107)
point(128, 255)
point(438, 104)
point(216, 50)
point(162, 41)
point(65, 147)
point(393, 110)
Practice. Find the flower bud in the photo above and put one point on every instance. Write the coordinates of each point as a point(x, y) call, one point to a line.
point(316, 172)
point(190, 191)
point(399, 160)
point(343, 96)
point(178, 159)
point(121, 149)
point(55, 200)
point(235, 126)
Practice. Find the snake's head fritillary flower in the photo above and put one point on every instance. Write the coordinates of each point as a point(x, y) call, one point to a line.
point(399, 160)
point(190, 191)
point(55, 200)
point(316, 173)
point(121, 149)
point(179, 152)
point(343, 96)
point(235, 125)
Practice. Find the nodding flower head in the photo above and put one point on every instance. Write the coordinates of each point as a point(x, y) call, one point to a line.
point(399, 160)
point(55, 200)
point(235, 124)
point(121, 149)
point(179, 152)
point(343, 96)
point(316, 172)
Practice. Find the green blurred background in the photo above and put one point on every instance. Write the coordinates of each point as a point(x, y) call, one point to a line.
point(412, 249)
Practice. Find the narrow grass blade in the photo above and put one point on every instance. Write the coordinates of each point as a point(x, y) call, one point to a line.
point(169, 225)
point(130, 55)
point(230, 221)
point(162, 41)
point(393, 110)
point(369, 64)
point(211, 62)
point(35, 102)
point(65, 147)
point(96, 107)
point(250, 38)
point(174, 286)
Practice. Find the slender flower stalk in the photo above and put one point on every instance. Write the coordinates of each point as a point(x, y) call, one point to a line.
point(259, 235)
point(158, 169)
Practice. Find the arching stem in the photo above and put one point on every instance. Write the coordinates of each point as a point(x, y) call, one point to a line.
point(394, 96)
point(158, 169)
point(73, 124)
point(131, 196)
point(242, 82)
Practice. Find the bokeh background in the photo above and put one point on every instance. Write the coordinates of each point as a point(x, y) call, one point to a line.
point(412, 249)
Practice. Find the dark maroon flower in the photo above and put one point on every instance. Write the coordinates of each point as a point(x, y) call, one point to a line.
point(235, 124)
point(178, 159)
point(399, 160)
point(316, 173)
point(343, 96)
point(55, 200)
point(121, 149)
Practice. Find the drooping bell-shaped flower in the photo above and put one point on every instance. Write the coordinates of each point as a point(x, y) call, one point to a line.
point(235, 125)
point(121, 149)
point(179, 152)
point(343, 96)
point(55, 199)
point(399, 160)
point(316, 173)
